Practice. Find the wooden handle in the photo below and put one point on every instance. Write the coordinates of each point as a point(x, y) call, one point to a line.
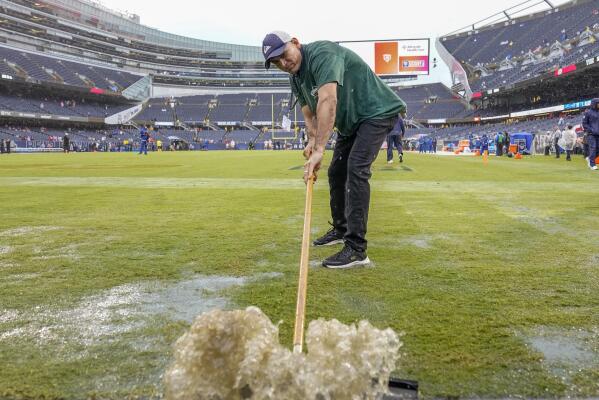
point(300, 310)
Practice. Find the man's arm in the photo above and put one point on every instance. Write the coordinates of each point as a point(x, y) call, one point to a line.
point(585, 123)
point(310, 120)
point(325, 121)
point(402, 126)
point(326, 111)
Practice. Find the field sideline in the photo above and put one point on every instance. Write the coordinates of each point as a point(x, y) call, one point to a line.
point(490, 271)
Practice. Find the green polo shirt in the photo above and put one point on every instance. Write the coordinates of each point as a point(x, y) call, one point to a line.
point(361, 95)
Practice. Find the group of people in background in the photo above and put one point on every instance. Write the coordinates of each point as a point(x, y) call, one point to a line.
point(6, 146)
point(556, 142)
point(568, 141)
point(146, 143)
point(481, 143)
point(561, 141)
point(427, 144)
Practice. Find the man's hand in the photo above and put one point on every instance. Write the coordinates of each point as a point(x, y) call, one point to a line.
point(312, 166)
point(309, 148)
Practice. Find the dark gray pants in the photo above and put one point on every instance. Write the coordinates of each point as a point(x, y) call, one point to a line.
point(593, 141)
point(349, 173)
point(394, 140)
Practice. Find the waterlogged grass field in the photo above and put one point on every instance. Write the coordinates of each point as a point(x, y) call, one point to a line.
point(490, 271)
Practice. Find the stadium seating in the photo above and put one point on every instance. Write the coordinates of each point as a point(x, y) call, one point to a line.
point(424, 102)
point(238, 108)
point(219, 112)
point(242, 137)
point(431, 102)
point(525, 72)
point(54, 70)
point(511, 40)
point(263, 109)
point(59, 107)
point(535, 126)
point(98, 42)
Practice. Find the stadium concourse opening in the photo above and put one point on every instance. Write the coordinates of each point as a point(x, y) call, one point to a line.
point(174, 275)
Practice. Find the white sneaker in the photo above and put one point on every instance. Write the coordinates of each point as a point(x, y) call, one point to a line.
point(390, 162)
point(594, 168)
point(588, 161)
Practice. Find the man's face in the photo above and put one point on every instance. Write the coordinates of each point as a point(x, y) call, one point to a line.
point(291, 59)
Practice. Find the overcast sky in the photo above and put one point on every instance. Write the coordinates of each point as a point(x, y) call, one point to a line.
point(246, 22)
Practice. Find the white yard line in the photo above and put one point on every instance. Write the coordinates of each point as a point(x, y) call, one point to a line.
point(462, 186)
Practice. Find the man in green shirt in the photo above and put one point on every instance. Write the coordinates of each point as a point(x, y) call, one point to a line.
point(336, 88)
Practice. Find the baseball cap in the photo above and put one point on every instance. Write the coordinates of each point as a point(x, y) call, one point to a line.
point(273, 45)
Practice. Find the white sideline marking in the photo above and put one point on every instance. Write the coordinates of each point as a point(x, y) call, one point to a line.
point(296, 184)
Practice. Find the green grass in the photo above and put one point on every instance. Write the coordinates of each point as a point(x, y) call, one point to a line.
point(472, 262)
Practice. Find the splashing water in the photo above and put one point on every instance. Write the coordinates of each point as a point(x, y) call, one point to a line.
point(237, 355)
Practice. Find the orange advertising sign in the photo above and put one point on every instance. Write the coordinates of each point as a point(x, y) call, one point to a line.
point(386, 58)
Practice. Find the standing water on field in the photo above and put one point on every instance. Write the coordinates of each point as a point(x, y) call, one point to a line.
point(237, 355)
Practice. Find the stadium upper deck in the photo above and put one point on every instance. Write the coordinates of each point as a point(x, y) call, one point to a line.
point(517, 49)
point(87, 32)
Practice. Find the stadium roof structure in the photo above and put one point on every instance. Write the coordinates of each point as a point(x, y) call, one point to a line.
point(93, 16)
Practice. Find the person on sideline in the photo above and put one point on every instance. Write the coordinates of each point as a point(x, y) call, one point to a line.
point(590, 124)
point(568, 141)
point(395, 138)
